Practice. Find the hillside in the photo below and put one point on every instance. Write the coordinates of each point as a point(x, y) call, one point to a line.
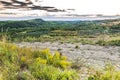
point(92, 48)
point(40, 30)
point(27, 64)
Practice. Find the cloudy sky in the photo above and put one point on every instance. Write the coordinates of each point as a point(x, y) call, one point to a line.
point(58, 7)
point(107, 7)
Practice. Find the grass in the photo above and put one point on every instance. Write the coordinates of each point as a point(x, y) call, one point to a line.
point(108, 73)
point(27, 64)
point(108, 43)
point(102, 41)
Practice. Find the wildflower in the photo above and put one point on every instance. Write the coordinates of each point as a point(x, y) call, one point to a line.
point(46, 51)
point(39, 60)
point(57, 55)
point(50, 56)
point(23, 59)
point(64, 58)
point(13, 47)
point(64, 64)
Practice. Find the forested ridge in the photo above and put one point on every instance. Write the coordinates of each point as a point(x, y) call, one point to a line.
point(28, 30)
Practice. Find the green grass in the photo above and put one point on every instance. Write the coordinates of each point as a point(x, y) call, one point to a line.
point(27, 64)
point(40, 30)
point(108, 43)
point(109, 73)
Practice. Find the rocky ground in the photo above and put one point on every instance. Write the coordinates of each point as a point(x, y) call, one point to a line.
point(92, 55)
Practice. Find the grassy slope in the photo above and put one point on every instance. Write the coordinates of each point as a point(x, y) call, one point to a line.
point(27, 64)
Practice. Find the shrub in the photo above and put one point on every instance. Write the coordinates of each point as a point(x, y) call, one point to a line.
point(76, 47)
point(109, 73)
point(114, 42)
point(27, 64)
point(47, 72)
point(78, 63)
point(101, 43)
point(85, 41)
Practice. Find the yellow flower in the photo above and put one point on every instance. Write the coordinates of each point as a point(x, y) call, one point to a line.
point(57, 55)
point(64, 58)
point(43, 61)
point(50, 56)
point(39, 60)
point(46, 51)
point(13, 47)
point(64, 64)
point(23, 59)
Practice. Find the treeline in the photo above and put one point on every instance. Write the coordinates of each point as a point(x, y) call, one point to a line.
point(39, 27)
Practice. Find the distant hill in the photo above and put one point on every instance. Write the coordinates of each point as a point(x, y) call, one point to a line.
point(57, 24)
point(21, 24)
point(39, 27)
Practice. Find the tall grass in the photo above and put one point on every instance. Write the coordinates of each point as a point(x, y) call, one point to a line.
point(27, 64)
point(108, 73)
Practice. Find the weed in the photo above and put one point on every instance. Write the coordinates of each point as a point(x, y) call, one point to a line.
point(76, 47)
point(27, 64)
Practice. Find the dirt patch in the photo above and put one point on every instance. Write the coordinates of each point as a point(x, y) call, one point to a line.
point(96, 56)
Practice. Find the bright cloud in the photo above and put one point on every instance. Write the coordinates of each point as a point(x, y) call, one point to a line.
point(108, 7)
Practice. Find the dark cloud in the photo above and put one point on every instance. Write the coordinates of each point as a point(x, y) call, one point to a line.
point(6, 3)
point(47, 8)
point(28, 4)
point(71, 9)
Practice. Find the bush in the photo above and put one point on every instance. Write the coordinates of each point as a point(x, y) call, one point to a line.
point(27, 64)
point(47, 72)
point(78, 63)
point(76, 47)
point(101, 43)
point(114, 42)
point(85, 41)
point(109, 73)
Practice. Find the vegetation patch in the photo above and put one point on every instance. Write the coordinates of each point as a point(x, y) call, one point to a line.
point(27, 64)
point(109, 73)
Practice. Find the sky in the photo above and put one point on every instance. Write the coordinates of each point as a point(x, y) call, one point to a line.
point(107, 7)
point(58, 7)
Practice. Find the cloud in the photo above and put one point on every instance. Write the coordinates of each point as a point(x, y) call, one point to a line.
point(28, 4)
point(60, 7)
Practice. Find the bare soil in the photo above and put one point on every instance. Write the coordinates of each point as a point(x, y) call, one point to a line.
point(96, 56)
